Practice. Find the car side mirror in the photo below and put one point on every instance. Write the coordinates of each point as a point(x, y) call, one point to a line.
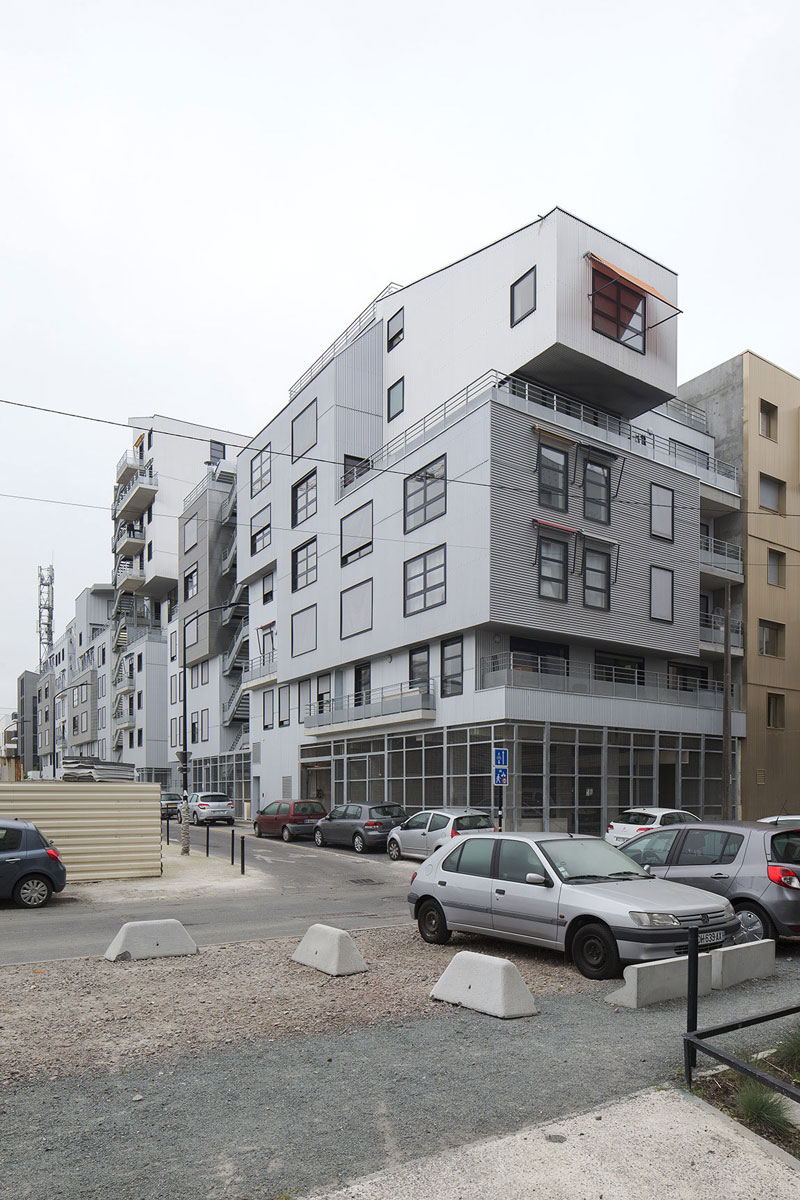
point(646, 868)
point(537, 880)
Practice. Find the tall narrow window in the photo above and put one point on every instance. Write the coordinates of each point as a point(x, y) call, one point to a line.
point(216, 451)
point(661, 594)
point(268, 710)
point(304, 565)
point(771, 493)
point(775, 710)
point(771, 639)
point(395, 399)
point(304, 431)
point(261, 530)
point(452, 666)
point(394, 330)
point(425, 494)
point(776, 568)
point(552, 569)
point(323, 692)
point(304, 498)
point(361, 683)
point(553, 466)
point(597, 492)
point(419, 667)
point(283, 705)
point(268, 588)
point(662, 512)
point(618, 312)
point(204, 725)
point(355, 534)
point(190, 583)
point(190, 533)
point(260, 470)
point(768, 420)
point(523, 297)
point(597, 579)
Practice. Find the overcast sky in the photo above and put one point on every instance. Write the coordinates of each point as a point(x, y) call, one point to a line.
point(197, 196)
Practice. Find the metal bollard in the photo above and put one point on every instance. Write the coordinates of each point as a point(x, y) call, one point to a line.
point(242, 854)
point(233, 847)
point(208, 837)
point(167, 828)
point(689, 1051)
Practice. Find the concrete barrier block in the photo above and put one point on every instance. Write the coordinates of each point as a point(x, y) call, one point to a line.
point(665, 979)
point(486, 984)
point(736, 964)
point(330, 950)
point(150, 939)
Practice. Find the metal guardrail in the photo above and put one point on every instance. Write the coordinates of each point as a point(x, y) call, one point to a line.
point(371, 703)
point(354, 329)
point(229, 557)
point(126, 570)
point(726, 556)
point(712, 625)
point(141, 478)
point(550, 674)
point(531, 398)
point(129, 460)
point(687, 414)
point(263, 667)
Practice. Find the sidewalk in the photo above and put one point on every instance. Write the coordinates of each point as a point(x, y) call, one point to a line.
point(659, 1143)
point(183, 875)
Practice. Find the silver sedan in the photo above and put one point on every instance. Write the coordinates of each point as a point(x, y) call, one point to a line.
point(566, 892)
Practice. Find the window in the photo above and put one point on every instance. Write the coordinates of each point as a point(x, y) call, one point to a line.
point(355, 609)
point(84, 722)
point(190, 583)
point(355, 533)
point(304, 499)
point(523, 297)
point(771, 493)
point(516, 860)
point(190, 533)
point(438, 821)
point(303, 699)
point(395, 399)
point(204, 672)
point(139, 699)
point(304, 431)
point(217, 452)
point(418, 821)
point(708, 847)
point(283, 705)
point(173, 689)
point(394, 330)
point(597, 492)
point(654, 849)
point(304, 630)
point(662, 510)
point(204, 725)
point(266, 639)
point(268, 588)
point(260, 470)
point(425, 585)
point(194, 728)
point(775, 710)
point(425, 495)
point(452, 683)
point(173, 731)
point(268, 710)
point(150, 515)
point(139, 737)
point(771, 639)
point(776, 568)
point(353, 467)
point(260, 530)
point(304, 565)
point(323, 692)
point(180, 687)
point(597, 579)
point(618, 312)
point(191, 632)
point(661, 594)
point(194, 676)
point(75, 697)
point(361, 683)
point(419, 667)
point(552, 569)
point(687, 677)
point(553, 477)
point(173, 646)
point(768, 421)
point(473, 857)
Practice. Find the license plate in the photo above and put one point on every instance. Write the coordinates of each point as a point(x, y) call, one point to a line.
point(709, 937)
point(310, 820)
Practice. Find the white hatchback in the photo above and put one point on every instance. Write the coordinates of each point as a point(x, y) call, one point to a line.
point(642, 820)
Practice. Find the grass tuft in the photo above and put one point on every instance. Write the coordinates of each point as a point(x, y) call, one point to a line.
point(787, 1052)
point(763, 1110)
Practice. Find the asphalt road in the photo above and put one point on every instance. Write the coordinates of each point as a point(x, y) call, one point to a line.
point(300, 884)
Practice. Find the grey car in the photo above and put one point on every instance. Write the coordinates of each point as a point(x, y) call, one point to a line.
point(754, 866)
point(567, 892)
point(362, 826)
point(30, 866)
point(431, 828)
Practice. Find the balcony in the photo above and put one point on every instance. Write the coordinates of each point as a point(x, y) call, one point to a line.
point(712, 634)
point(377, 706)
point(129, 542)
point(135, 497)
point(229, 558)
point(127, 466)
point(124, 682)
point(260, 670)
point(532, 671)
point(128, 577)
point(126, 721)
point(720, 560)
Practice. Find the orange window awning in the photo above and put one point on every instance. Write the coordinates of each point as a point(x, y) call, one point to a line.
point(638, 284)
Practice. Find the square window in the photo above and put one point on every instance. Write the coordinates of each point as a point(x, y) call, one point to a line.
point(771, 494)
point(395, 399)
point(553, 474)
point(425, 581)
point(394, 330)
point(304, 499)
point(304, 565)
point(425, 495)
point(552, 569)
point(597, 492)
point(261, 530)
point(771, 639)
point(597, 579)
point(768, 421)
point(618, 312)
point(260, 470)
point(523, 297)
point(304, 631)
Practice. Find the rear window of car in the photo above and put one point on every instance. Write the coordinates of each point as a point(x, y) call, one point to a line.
point(214, 797)
point(389, 810)
point(477, 821)
point(636, 818)
point(309, 808)
point(786, 847)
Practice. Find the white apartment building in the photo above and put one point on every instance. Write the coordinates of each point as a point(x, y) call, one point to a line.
point(476, 526)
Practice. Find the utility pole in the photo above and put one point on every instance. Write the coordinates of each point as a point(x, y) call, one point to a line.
point(727, 799)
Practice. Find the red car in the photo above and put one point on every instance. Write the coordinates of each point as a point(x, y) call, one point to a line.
point(289, 818)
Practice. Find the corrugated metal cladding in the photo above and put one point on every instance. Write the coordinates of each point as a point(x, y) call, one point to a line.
point(359, 395)
point(514, 579)
point(104, 831)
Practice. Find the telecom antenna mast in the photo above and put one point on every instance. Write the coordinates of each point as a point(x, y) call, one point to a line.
point(46, 576)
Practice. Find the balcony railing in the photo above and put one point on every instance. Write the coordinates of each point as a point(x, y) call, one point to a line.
point(265, 667)
point(229, 557)
point(142, 479)
point(532, 398)
point(687, 414)
point(722, 556)
point(129, 463)
point(515, 669)
point(712, 629)
point(128, 575)
point(373, 703)
point(129, 541)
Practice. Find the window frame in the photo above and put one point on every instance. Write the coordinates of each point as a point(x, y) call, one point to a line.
point(767, 630)
point(308, 511)
point(606, 469)
point(427, 480)
point(260, 535)
point(776, 703)
point(191, 523)
point(451, 683)
point(561, 491)
point(770, 411)
point(665, 571)
point(268, 692)
point(611, 287)
point(565, 563)
point(261, 474)
point(426, 587)
point(309, 567)
point(515, 320)
point(297, 456)
point(394, 339)
point(780, 510)
point(365, 548)
point(191, 579)
point(419, 650)
point(343, 637)
point(662, 537)
point(605, 554)
point(284, 709)
point(780, 565)
point(267, 597)
point(401, 384)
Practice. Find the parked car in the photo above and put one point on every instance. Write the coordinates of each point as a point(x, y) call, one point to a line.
point(429, 829)
point(30, 866)
point(362, 826)
point(567, 892)
point(289, 818)
point(205, 807)
point(170, 804)
point(754, 866)
point(640, 820)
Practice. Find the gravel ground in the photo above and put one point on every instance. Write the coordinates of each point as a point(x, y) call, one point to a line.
point(72, 1016)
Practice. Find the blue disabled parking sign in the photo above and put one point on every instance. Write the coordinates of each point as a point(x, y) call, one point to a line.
point(501, 777)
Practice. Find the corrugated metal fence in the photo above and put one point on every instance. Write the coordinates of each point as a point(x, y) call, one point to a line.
point(104, 831)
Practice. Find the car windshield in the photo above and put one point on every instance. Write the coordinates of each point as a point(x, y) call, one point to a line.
point(389, 810)
point(473, 821)
point(590, 860)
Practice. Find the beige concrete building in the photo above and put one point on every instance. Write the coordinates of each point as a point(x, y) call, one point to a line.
point(753, 410)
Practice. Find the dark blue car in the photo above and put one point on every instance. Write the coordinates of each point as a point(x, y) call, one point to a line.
point(30, 867)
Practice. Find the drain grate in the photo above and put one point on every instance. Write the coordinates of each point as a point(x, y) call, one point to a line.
point(362, 881)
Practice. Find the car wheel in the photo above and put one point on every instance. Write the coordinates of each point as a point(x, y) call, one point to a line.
point(394, 851)
point(33, 892)
point(256, 829)
point(318, 838)
point(755, 921)
point(195, 819)
point(359, 845)
point(595, 953)
point(230, 821)
point(432, 924)
point(286, 833)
